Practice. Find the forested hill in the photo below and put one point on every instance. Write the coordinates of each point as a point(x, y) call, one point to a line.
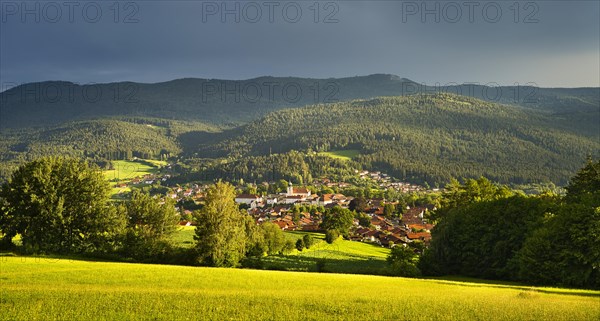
point(234, 102)
point(426, 138)
point(97, 140)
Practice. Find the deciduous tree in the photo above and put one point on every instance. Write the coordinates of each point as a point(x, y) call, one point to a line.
point(220, 233)
point(59, 205)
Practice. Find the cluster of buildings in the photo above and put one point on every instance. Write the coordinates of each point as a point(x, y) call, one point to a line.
point(279, 209)
point(385, 181)
point(147, 179)
point(293, 195)
point(195, 192)
point(412, 227)
point(384, 231)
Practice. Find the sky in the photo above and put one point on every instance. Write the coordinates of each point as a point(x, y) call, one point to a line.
point(545, 43)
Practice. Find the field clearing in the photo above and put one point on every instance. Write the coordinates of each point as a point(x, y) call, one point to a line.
point(33, 289)
point(184, 237)
point(341, 247)
point(346, 154)
point(340, 257)
point(157, 163)
point(126, 170)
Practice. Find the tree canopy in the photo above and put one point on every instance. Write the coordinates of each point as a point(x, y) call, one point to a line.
point(58, 205)
point(221, 230)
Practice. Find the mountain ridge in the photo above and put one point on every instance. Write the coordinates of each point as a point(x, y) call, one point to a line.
point(429, 137)
point(234, 102)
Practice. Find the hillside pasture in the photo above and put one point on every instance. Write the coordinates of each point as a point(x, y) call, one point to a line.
point(342, 256)
point(346, 154)
point(63, 289)
point(126, 170)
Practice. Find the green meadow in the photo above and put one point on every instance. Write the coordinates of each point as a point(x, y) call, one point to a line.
point(184, 237)
point(125, 170)
point(346, 154)
point(62, 289)
point(340, 257)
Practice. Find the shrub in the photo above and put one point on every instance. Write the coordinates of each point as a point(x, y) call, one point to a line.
point(331, 236)
point(308, 241)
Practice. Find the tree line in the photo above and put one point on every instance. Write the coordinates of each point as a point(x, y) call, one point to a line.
point(489, 231)
point(484, 230)
point(62, 206)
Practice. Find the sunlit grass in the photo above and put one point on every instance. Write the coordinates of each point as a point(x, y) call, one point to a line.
point(342, 256)
point(36, 289)
point(347, 154)
point(125, 170)
point(184, 237)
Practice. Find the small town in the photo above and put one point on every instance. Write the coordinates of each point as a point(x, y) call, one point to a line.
point(299, 209)
point(288, 211)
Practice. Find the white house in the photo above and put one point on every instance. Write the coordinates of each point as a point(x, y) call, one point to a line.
point(291, 199)
point(272, 199)
point(248, 199)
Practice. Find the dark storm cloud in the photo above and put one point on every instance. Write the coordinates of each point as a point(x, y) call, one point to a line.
point(158, 40)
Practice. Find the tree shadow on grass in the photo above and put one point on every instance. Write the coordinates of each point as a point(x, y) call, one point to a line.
point(323, 258)
point(471, 282)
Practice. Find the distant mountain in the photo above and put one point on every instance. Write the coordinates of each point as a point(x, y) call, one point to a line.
point(228, 102)
point(511, 134)
point(424, 138)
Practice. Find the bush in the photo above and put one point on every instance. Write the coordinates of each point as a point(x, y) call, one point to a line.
point(331, 236)
point(299, 245)
point(308, 241)
point(403, 262)
point(288, 247)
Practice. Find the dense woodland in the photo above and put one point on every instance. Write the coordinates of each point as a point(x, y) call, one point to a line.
point(293, 166)
point(97, 140)
point(425, 138)
point(489, 231)
point(421, 138)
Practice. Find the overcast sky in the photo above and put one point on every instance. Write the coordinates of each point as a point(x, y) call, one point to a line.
point(548, 43)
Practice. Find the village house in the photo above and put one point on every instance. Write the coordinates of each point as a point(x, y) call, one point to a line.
point(249, 199)
point(297, 191)
point(325, 199)
point(423, 236)
point(273, 199)
point(292, 199)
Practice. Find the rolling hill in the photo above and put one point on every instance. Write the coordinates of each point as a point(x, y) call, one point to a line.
point(426, 138)
point(65, 289)
point(513, 134)
point(98, 140)
point(229, 102)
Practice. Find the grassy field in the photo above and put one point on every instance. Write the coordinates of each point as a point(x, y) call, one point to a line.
point(124, 171)
point(340, 257)
point(53, 289)
point(347, 154)
point(184, 237)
